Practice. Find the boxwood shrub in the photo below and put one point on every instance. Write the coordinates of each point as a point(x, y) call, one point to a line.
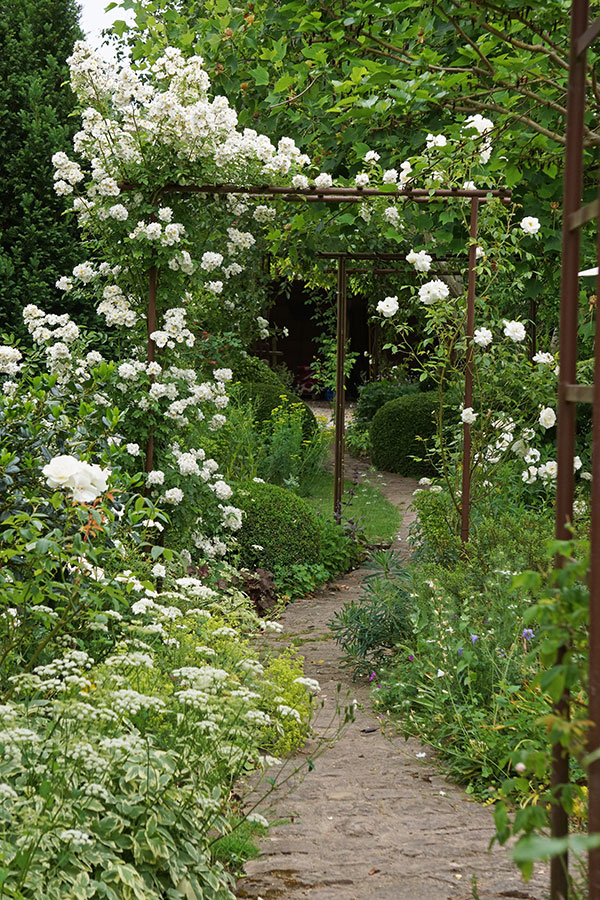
point(251, 368)
point(372, 396)
point(280, 528)
point(267, 397)
point(395, 430)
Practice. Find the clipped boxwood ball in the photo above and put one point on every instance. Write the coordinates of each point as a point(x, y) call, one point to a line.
point(394, 432)
point(280, 523)
point(251, 368)
point(267, 397)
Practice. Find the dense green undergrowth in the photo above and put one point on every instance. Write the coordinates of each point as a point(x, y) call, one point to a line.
point(446, 643)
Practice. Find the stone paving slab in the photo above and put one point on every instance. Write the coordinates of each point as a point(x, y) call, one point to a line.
point(373, 820)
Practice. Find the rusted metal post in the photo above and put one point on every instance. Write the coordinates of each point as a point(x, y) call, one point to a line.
point(594, 660)
point(150, 355)
point(469, 331)
point(565, 450)
point(340, 391)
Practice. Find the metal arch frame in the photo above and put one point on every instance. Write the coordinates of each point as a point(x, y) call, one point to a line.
point(582, 35)
point(333, 195)
point(342, 258)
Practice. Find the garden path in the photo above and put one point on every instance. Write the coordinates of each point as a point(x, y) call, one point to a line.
point(375, 818)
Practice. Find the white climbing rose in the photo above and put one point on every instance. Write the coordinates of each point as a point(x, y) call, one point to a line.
point(388, 307)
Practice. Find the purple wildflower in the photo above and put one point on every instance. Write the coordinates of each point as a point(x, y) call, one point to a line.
point(528, 634)
point(474, 637)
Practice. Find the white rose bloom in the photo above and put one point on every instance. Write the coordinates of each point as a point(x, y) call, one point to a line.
point(324, 180)
point(435, 140)
point(468, 416)
point(545, 359)
point(432, 291)
point(547, 417)
point(420, 260)
point(371, 156)
point(390, 176)
point(548, 471)
point(60, 470)
point(300, 182)
point(388, 307)
point(482, 337)
point(361, 180)
point(530, 225)
point(577, 464)
point(85, 481)
point(514, 330)
point(174, 496)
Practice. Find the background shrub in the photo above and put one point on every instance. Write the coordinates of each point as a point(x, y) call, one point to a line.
point(396, 431)
point(278, 522)
point(372, 396)
point(38, 243)
point(250, 368)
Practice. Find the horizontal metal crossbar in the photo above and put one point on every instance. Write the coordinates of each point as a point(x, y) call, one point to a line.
point(366, 271)
point(289, 192)
point(400, 257)
point(579, 393)
point(588, 37)
point(584, 214)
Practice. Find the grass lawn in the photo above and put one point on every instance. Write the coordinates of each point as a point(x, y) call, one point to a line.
point(377, 516)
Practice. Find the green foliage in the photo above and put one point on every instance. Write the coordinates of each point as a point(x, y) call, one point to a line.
point(300, 579)
point(373, 395)
point(273, 446)
point(267, 397)
point(233, 850)
point(398, 431)
point(279, 529)
point(255, 370)
point(338, 550)
point(435, 532)
point(282, 674)
point(37, 243)
point(379, 621)
point(358, 441)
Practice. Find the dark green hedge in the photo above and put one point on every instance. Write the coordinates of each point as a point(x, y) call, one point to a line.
point(250, 368)
point(372, 396)
point(280, 523)
point(267, 397)
point(38, 242)
point(394, 432)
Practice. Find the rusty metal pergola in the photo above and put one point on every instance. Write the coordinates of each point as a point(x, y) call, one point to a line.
point(582, 35)
point(333, 195)
point(343, 270)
